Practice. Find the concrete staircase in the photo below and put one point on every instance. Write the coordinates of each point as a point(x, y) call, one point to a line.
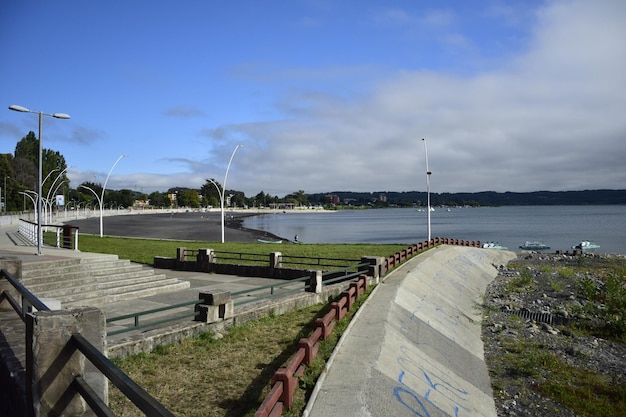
point(94, 281)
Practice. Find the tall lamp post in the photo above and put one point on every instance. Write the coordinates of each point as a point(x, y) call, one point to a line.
point(427, 187)
point(222, 193)
point(41, 114)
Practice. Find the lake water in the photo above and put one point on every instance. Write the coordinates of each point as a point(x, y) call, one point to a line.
point(560, 227)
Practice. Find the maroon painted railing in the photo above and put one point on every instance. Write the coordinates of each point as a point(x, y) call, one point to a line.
point(399, 257)
point(285, 380)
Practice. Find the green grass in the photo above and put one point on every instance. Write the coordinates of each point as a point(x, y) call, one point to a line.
point(144, 250)
point(586, 392)
point(229, 376)
point(521, 283)
point(208, 376)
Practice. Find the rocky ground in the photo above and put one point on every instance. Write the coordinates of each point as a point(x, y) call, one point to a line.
point(544, 300)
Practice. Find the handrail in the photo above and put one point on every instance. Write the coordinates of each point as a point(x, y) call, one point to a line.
point(136, 316)
point(144, 401)
point(28, 229)
point(286, 259)
point(28, 298)
point(271, 286)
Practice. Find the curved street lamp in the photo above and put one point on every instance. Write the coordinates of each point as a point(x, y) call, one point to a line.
point(54, 187)
point(223, 191)
point(104, 187)
point(427, 187)
point(39, 197)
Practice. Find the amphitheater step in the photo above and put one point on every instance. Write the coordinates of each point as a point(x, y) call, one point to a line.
point(94, 281)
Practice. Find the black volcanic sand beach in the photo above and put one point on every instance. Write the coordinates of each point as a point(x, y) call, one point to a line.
point(205, 227)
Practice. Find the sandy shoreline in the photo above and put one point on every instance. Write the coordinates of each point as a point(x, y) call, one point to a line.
point(198, 226)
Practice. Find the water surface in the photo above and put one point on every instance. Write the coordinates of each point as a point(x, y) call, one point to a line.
point(560, 227)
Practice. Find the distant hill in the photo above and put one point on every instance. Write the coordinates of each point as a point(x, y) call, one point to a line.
point(484, 198)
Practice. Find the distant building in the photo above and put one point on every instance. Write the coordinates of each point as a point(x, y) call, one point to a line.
point(332, 198)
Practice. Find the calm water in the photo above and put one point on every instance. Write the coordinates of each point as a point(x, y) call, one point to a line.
point(560, 227)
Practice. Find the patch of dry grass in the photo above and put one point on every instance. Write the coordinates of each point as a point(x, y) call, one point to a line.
point(206, 376)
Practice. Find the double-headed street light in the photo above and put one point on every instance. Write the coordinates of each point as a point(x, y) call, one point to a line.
point(39, 197)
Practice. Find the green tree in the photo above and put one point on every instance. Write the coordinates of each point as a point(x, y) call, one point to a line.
point(261, 199)
point(53, 166)
point(210, 194)
point(158, 199)
point(298, 198)
point(190, 198)
point(237, 198)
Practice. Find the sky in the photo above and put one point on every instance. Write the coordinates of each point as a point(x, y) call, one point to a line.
point(323, 95)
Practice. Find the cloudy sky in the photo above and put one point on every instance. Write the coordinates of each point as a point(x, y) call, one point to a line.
point(323, 95)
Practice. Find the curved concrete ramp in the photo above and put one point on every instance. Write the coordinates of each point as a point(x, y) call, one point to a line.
point(415, 349)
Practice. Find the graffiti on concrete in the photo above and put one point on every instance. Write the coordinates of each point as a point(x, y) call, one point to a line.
point(424, 384)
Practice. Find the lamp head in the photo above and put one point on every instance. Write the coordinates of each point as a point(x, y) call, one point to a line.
point(15, 107)
point(61, 115)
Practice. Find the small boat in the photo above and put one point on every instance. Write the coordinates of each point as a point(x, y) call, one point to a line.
point(584, 245)
point(493, 245)
point(534, 245)
point(268, 241)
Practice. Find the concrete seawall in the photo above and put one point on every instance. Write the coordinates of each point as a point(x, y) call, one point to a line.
point(414, 348)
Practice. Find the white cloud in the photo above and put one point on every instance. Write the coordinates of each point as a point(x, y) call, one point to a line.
point(551, 118)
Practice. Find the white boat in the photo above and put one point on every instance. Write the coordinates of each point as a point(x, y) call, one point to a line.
point(584, 245)
point(268, 241)
point(493, 245)
point(534, 245)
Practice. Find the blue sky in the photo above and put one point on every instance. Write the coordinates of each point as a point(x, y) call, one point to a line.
point(323, 95)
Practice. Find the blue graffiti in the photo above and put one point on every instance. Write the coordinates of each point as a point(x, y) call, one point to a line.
point(422, 412)
point(432, 383)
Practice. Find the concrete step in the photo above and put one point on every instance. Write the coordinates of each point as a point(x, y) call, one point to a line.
point(94, 281)
point(19, 239)
point(80, 277)
point(45, 269)
point(130, 293)
point(69, 287)
point(80, 293)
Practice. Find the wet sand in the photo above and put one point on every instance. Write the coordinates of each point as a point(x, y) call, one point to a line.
point(205, 227)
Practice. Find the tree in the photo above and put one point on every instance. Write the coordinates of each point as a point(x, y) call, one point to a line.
point(53, 165)
point(158, 199)
point(189, 198)
point(210, 194)
point(6, 172)
point(237, 198)
point(298, 198)
point(28, 148)
point(260, 199)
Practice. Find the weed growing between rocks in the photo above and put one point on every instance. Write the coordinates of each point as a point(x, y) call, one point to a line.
point(555, 335)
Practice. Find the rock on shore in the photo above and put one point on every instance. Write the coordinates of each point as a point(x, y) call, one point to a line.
point(540, 300)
